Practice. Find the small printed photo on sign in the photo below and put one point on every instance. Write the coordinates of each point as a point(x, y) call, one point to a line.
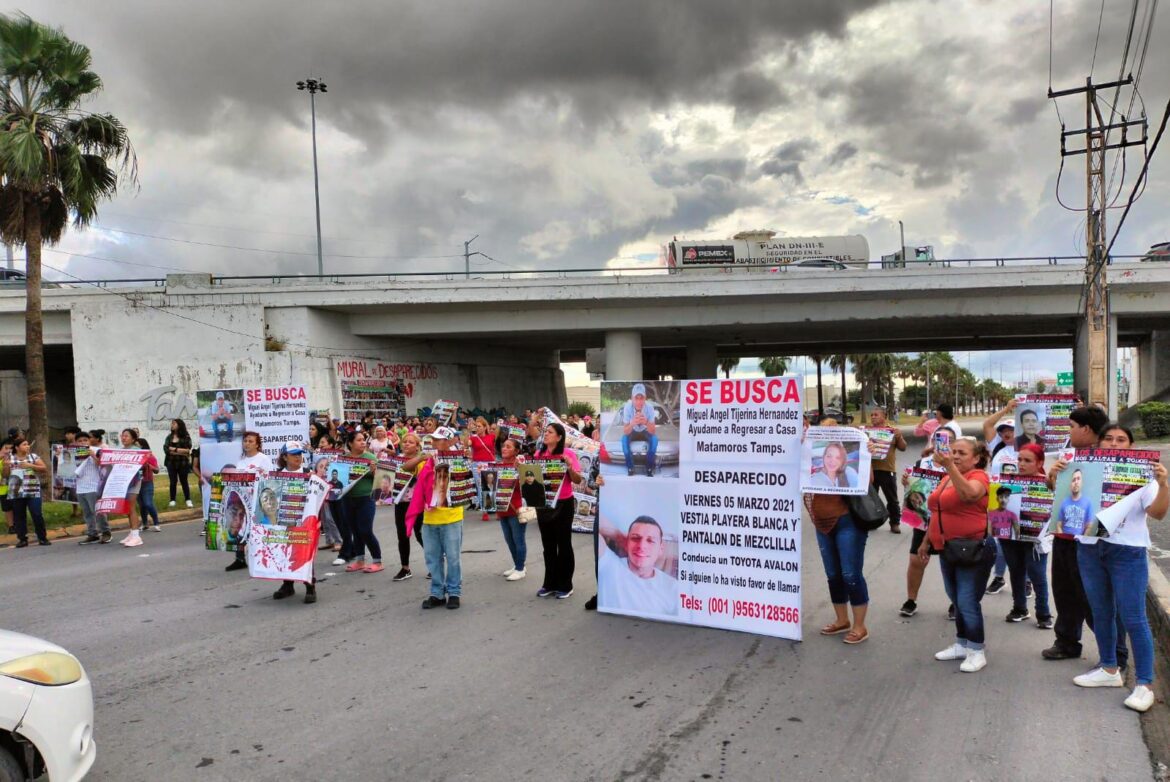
point(220, 416)
point(1030, 425)
point(834, 464)
point(640, 428)
point(638, 551)
point(1077, 499)
point(1003, 512)
point(532, 485)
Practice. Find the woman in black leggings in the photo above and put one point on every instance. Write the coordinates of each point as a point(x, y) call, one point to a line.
point(412, 450)
point(556, 523)
point(177, 459)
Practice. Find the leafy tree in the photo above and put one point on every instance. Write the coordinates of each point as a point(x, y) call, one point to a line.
point(839, 363)
point(581, 408)
point(728, 364)
point(57, 162)
point(774, 366)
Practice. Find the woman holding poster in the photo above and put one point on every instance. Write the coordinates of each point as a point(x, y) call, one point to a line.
point(22, 471)
point(556, 524)
point(1115, 573)
point(514, 532)
point(842, 546)
point(292, 459)
point(412, 450)
point(129, 439)
point(958, 513)
point(358, 504)
point(1027, 561)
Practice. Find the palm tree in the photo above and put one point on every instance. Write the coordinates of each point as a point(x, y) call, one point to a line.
point(728, 364)
point(56, 162)
point(820, 387)
point(838, 363)
point(774, 366)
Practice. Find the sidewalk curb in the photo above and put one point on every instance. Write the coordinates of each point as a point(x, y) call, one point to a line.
point(1158, 607)
point(78, 530)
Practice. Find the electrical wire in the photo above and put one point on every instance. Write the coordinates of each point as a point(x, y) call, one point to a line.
point(1097, 40)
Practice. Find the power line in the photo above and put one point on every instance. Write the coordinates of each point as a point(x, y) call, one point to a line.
point(1097, 40)
point(1141, 177)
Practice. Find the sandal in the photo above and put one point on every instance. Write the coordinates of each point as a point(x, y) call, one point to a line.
point(835, 629)
point(374, 567)
point(853, 638)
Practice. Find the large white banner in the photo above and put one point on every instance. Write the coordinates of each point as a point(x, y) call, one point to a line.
point(700, 513)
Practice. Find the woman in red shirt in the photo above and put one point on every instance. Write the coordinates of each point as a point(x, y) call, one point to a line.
point(483, 449)
point(958, 510)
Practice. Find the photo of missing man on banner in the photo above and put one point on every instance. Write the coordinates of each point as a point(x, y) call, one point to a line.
point(637, 566)
point(640, 429)
point(1030, 425)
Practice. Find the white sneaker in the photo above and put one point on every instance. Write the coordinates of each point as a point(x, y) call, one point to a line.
point(189, 505)
point(1098, 677)
point(953, 652)
point(976, 661)
point(517, 575)
point(1142, 698)
point(171, 504)
point(338, 562)
point(508, 572)
point(133, 539)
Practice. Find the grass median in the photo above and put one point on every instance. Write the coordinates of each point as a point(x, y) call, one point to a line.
point(64, 514)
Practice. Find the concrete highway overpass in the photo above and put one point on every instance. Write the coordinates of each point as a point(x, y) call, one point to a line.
point(499, 340)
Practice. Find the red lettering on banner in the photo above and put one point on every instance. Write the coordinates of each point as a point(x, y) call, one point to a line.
point(281, 394)
point(774, 390)
point(252, 395)
point(699, 392)
point(351, 369)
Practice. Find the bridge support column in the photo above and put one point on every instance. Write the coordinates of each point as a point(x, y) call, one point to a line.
point(702, 361)
point(1153, 365)
point(623, 355)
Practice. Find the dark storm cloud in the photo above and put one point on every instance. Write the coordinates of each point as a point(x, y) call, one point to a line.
point(784, 160)
point(406, 58)
point(841, 153)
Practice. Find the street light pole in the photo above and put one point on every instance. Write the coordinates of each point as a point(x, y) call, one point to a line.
point(313, 86)
point(902, 239)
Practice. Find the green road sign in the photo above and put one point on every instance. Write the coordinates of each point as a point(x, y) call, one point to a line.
point(1064, 378)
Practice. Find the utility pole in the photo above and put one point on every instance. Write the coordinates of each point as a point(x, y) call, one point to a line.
point(467, 253)
point(1095, 326)
point(313, 86)
point(902, 242)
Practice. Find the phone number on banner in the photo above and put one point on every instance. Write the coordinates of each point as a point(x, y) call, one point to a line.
point(746, 608)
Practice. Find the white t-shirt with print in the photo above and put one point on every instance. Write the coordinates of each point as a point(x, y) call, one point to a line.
point(1126, 520)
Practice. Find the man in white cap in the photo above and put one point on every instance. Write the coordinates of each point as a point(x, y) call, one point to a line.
point(637, 418)
point(221, 413)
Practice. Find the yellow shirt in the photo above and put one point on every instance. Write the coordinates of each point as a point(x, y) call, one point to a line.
point(442, 515)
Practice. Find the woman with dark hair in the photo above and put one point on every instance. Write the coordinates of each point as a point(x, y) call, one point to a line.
point(958, 511)
point(177, 459)
point(316, 432)
point(1115, 572)
point(146, 509)
point(556, 523)
point(412, 450)
point(23, 470)
point(129, 440)
point(358, 504)
point(514, 531)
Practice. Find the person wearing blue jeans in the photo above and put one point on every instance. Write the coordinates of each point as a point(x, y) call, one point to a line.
point(965, 585)
point(1026, 564)
point(442, 546)
point(22, 507)
point(146, 509)
point(514, 537)
point(638, 420)
point(842, 545)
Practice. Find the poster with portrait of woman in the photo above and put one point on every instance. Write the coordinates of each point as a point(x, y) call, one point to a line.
point(282, 538)
point(835, 460)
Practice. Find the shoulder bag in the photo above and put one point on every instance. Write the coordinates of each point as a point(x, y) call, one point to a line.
point(961, 552)
point(868, 511)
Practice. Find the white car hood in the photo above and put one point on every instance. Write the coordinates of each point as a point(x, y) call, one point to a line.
point(15, 645)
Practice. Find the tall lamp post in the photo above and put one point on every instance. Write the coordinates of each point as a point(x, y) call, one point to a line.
point(313, 86)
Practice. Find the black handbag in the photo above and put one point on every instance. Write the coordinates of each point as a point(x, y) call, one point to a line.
point(868, 511)
point(963, 552)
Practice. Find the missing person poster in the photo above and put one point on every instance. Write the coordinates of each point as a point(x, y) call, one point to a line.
point(282, 538)
point(277, 414)
point(460, 482)
point(507, 483)
point(341, 472)
point(443, 411)
point(120, 472)
point(835, 460)
point(920, 482)
point(66, 460)
point(715, 539)
point(573, 436)
point(553, 474)
point(585, 513)
point(1043, 419)
point(1018, 507)
point(392, 479)
point(1094, 480)
point(385, 398)
point(882, 438)
point(233, 495)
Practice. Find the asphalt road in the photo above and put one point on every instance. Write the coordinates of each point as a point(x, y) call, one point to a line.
point(199, 675)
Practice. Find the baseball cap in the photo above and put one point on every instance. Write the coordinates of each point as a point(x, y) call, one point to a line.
point(639, 388)
point(293, 446)
point(1005, 422)
point(445, 433)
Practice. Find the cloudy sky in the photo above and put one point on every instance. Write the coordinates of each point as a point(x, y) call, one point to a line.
point(584, 133)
